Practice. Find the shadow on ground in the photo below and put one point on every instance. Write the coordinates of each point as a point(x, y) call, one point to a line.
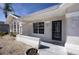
point(43, 47)
point(56, 43)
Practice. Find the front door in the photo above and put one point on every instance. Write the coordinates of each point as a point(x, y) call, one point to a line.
point(57, 30)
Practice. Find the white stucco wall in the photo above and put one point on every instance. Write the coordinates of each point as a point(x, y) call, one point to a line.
point(72, 17)
point(47, 36)
point(72, 32)
point(27, 28)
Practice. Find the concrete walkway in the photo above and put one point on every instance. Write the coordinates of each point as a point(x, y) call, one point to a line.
point(51, 49)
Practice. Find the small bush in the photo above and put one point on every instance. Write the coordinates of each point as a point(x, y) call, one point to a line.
point(6, 33)
point(3, 33)
point(13, 34)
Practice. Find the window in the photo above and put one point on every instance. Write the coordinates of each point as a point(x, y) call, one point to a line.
point(38, 27)
point(41, 27)
point(35, 27)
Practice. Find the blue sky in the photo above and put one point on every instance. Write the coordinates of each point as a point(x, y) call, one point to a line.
point(22, 9)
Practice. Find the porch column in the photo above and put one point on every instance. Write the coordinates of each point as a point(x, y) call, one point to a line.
point(72, 43)
point(16, 28)
point(10, 28)
point(20, 28)
point(13, 26)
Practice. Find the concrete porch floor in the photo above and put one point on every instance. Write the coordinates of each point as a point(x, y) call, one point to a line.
point(51, 49)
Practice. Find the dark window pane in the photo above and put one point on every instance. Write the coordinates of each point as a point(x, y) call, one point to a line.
point(38, 27)
point(35, 31)
point(41, 28)
point(41, 31)
point(35, 27)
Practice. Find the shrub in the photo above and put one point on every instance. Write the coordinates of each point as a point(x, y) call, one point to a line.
point(13, 34)
point(6, 33)
point(3, 33)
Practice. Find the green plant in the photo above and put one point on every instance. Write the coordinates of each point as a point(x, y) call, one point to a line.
point(3, 33)
point(13, 34)
point(7, 8)
point(6, 33)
